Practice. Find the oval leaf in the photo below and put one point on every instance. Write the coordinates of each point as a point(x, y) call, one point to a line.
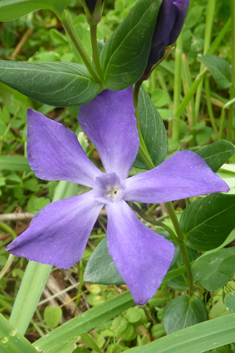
point(230, 302)
point(207, 222)
point(11, 9)
point(125, 54)
point(59, 84)
point(219, 69)
point(52, 315)
point(152, 128)
point(101, 268)
point(216, 154)
point(182, 312)
point(214, 270)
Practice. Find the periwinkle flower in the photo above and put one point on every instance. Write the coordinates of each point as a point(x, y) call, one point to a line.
point(169, 23)
point(91, 4)
point(58, 234)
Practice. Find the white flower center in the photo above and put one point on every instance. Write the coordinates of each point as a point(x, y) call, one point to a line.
point(108, 188)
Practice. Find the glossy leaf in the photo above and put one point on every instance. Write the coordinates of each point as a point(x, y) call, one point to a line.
point(219, 69)
point(207, 222)
point(216, 154)
point(214, 270)
point(152, 128)
point(198, 338)
point(101, 268)
point(86, 321)
point(11, 9)
point(60, 84)
point(11, 341)
point(125, 54)
point(182, 312)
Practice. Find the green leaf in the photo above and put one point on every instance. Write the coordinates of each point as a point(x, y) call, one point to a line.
point(182, 312)
point(60, 84)
point(101, 268)
point(207, 222)
point(216, 154)
point(230, 302)
point(214, 270)
point(195, 339)
point(86, 321)
point(125, 54)
point(11, 9)
point(152, 128)
point(11, 341)
point(219, 69)
point(52, 315)
point(18, 163)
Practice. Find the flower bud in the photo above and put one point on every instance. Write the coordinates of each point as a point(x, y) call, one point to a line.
point(169, 23)
point(93, 10)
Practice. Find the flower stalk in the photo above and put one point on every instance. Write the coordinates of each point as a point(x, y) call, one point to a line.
point(67, 23)
point(93, 32)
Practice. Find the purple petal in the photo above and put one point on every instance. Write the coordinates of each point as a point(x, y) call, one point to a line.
point(141, 256)
point(58, 234)
point(109, 122)
point(183, 175)
point(54, 152)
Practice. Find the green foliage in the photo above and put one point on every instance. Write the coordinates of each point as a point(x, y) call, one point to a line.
point(125, 54)
point(52, 315)
point(207, 222)
point(61, 84)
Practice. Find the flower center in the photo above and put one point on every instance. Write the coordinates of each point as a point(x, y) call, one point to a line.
point(108, 188)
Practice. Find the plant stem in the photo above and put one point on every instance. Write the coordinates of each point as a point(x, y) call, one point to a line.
point(142, 148)
point(67, 23)
point(154, 221)
point(182, 245)
point(232, 89)
point(207, 38)
point(93, 32)
point(177, 87)
point(209, 107)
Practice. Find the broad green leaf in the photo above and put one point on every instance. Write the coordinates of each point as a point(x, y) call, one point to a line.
point(216, 154)
point(19, 163)
point(219, 69)
point(11, 9)
point(152, 128)
point(101, 268)
point(11, 341)
point(61, 84)
point(182, 312)
point(52, 315)
point(207, 222)
point(86, 321)
point(195, 339)
point(230, 302)
point(125, 54)
point(214, 270)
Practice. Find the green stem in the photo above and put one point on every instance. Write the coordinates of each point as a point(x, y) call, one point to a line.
point(93, 32)
point(209, 106)
point(142, 148)
point(232, 90)
point(154, 221)
point(177, 87)
point(207, 38)
point(182, 245)
point(7, 229)
point(67, 23)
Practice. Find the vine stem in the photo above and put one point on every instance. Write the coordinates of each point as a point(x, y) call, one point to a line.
point(93, 32)
point(182, 245)
point(67, 23)
point(149, 163)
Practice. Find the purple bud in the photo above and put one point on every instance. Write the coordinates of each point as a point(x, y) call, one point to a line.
point(170, 21)
point(91, 5)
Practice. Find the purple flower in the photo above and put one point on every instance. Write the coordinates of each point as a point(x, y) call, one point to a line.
point(170, 21)
point(58, 234)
